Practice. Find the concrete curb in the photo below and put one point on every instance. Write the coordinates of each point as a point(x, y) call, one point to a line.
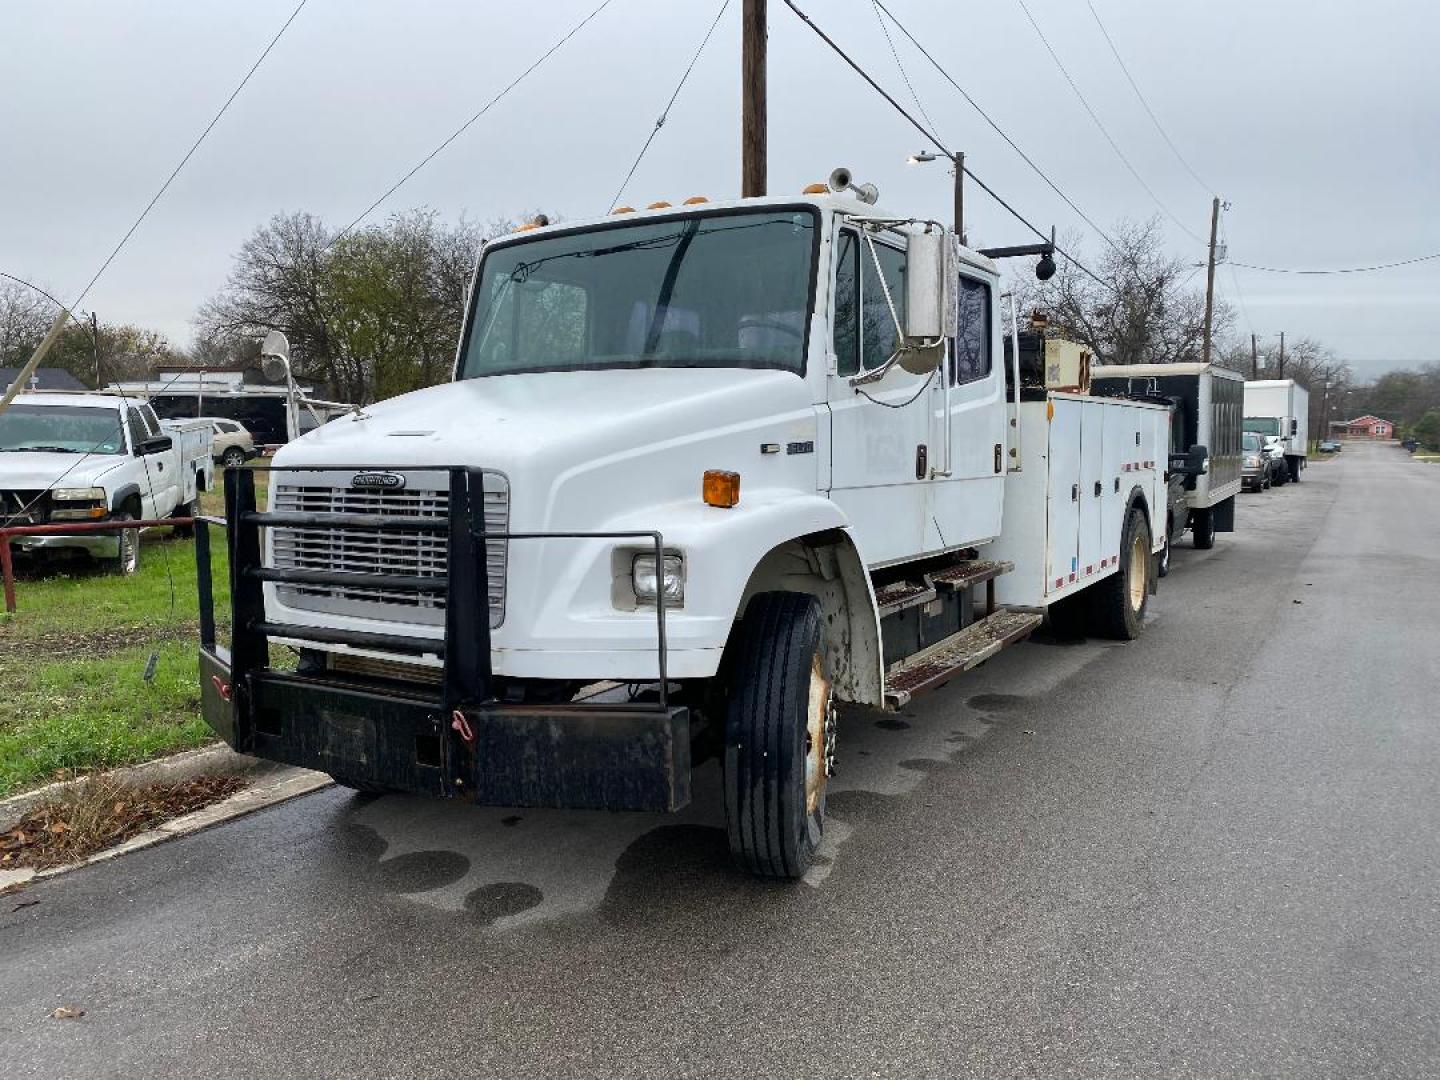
point(271, 784)
point(215, 760)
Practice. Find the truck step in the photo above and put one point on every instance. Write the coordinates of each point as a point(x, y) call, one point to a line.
point(963, 575)
point(899, 595)
point(958, 653)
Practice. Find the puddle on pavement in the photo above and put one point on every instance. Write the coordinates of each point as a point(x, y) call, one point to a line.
point(511, 868)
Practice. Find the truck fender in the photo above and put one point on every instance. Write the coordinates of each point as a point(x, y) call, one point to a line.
point(828, 566)
point(122, 494)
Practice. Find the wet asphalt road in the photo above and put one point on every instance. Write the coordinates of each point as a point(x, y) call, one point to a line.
point(1212, 852)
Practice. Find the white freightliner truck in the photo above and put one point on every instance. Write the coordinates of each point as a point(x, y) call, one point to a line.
point(1281, 407)
point(702, 472)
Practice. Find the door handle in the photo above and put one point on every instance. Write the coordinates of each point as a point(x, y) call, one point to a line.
point(1099, 487)
point(922, 459)
point(999, 456)
point(1074, 492)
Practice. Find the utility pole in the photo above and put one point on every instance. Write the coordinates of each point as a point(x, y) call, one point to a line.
point(960, 196)
point(753, 165)
point(1254, 358)
point(95, 342)
point(1210, 275)
point(1281, 373)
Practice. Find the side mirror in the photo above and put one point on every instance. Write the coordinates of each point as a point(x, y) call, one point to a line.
point(157, 444)
point(1195, 462)
point(931, 281)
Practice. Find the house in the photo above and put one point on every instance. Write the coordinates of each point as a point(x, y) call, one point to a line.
point(1366, 427)
point(45, 378)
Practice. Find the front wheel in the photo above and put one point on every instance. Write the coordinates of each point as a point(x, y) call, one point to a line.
point(126, 559)
point(233, 457)
point(1202, 528)
point(779, 736)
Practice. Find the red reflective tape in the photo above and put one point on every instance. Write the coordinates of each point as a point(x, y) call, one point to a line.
point(221, 687)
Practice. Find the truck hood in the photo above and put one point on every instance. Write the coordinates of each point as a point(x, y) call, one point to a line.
point(646, 435)
point(35, 471)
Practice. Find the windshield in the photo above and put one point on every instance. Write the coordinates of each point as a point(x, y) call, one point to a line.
point(1265, 425)
point(713, 290)
point(61, 429)
point(1250, 441)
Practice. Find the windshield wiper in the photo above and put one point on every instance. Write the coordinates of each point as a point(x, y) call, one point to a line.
point(41, 450)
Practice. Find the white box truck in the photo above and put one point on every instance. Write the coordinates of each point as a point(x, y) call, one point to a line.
point(702, 472)
point(1206, 402)
point(1281, 407)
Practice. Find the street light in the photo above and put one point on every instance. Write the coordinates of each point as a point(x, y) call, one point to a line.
point(958, 161)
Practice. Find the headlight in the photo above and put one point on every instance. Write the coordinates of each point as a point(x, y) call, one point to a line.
point(90, 494)
point(1252, 463)
point(642, 578)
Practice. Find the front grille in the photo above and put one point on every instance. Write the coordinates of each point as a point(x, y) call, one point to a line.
point(24, 507)
point(422, 554)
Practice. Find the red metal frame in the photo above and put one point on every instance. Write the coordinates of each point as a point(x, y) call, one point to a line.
point(7, 568)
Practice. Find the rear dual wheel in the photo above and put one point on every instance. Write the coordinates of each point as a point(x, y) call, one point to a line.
point(779, 736)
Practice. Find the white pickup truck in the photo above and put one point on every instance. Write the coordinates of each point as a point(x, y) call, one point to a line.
point(75, 458)
point(702, 473)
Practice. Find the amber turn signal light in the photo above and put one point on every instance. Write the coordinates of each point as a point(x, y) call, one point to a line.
point(721, 488)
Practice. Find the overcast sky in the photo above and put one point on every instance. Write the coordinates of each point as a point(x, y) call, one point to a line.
point(1319, 122)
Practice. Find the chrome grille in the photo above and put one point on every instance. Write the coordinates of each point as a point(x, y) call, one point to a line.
point(422, 554)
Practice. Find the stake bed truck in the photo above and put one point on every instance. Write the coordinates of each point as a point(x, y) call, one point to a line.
point(702, 473)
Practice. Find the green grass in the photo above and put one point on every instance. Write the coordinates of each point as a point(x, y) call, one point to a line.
point(73, 697)
point(78, 713)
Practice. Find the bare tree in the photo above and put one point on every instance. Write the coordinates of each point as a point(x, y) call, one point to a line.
point(1144, 308)
point(25, 317)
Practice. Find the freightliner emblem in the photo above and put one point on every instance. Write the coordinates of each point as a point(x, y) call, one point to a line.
point(386, 481)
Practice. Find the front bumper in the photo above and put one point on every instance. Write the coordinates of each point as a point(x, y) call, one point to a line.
point(97, 546)
point(375, 733)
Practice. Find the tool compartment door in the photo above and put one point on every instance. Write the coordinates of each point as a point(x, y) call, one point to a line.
point(1092, 488)
point(1062, 533)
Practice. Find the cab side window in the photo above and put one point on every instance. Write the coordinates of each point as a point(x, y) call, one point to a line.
point(879, 335)
point(152, 423)
point(136, 425)
point(847, 304)
point(971, 357)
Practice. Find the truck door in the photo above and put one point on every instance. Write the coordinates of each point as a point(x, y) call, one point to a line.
point(881, 448)
point(1062, 536)
point(965, 505)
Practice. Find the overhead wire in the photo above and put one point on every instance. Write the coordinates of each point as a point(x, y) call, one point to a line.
point(189, 153)
point(1339, 270)
point(994, 126)
point(1115, 52)
point(1103, 129)
point(937, 143)
point(899, 66)
point(504, 92)
point(665, 113)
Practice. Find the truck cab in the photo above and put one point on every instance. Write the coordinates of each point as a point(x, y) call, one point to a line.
point(702, 473)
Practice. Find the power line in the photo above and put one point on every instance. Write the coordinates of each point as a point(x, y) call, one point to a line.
point(934, 140)
point(884, 29)
point(998, 130)
point(1151, 112)
point(466, 125)
point(665, 113)
point(189, 153)
point(1103, 130)
point(1341, 270)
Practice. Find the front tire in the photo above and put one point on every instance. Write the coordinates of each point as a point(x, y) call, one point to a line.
point(1202, 528)
point(1117, 605)
point(779, 736)
point(126, 560)
point(233, 457)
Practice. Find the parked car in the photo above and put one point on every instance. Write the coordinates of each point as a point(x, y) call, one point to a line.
point(1272, 448)
point(1329, 446)
point(234, 445)
point(1255, 466)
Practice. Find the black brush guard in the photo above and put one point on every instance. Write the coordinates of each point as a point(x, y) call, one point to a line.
point(453, 740)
